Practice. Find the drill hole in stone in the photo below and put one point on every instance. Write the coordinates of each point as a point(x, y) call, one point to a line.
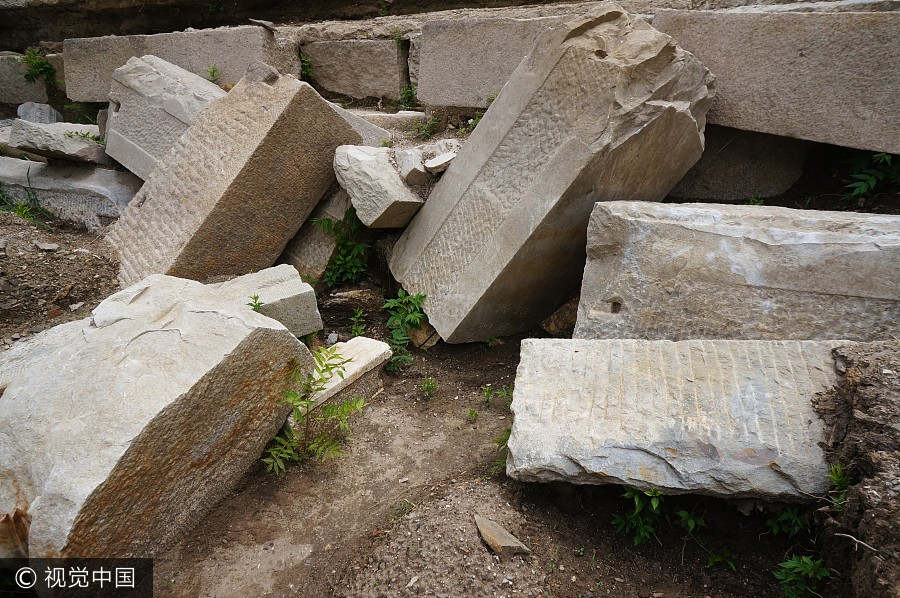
point(615, 307)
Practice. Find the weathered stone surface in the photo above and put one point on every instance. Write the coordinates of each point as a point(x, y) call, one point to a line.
point(120, 461)
point(411, 161)
point(217, 204)
point(59, 67)
point(284, 297)
point(371, 134)
point(439, 163)
point(92, 197)
point(358, 68)
point(90, 61)
point(821, 76)
point(680, 271)
point(152, 102)
point(500, 241)
point(718, 417)
point(404, 119)
point(38, 113)
point(366, 355)
point(6, 150)
point(14, 89)
point(311, 248)
point(412, 60)
point(63, 141)
point(380, 197)
point(562, 321)
point(740, 165)
point(501, 541)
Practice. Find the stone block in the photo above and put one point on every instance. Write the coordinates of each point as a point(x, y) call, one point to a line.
point(59, 67)
point(405, 120)
point(359, 68)
point(381, 198)
point(366, 356)
point(372, 134)
point(218, 204)
point(828, 77)
point(38, 113)
point(14, 89)
point(152, 102)
point(499, 243)
point(312, 248)
point(412, 60)
point(681, 271)
point(61, 141)
point(91, 61)
point(719, 417)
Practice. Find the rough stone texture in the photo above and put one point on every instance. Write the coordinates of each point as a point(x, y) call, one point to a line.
point(413, 59)
point(411, 166)
point(371, 133)
point(501, 541)
point(152, 102)
point(825, 77)
point(90, 61)
point(500, 241)
point(562, 321)
point(284, 296)
point(358, 68)
point(680, 271)
point(311, 248)
point(219, 204)
point(723, 417)
point(59, 140)
point(92, 197)
point(121, 460)
point(381, 198)
point(59, 66)
point(439, 163)
point(404, 119)
point(14, 89)
point(38, 113)
point(6, 150)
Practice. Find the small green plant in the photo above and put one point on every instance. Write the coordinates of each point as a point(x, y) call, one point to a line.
point(722, 557)
point(400, 359)
point(358, 320)
point(408, 98)
point(641, 521)
point(386, 143)
point(213, 74)
point(472, 416)
point(306, 68)
point(489, 392)
point(27, 208)
point(38, 67)
point(85, 135)
point(799, 576)
point(427, 129)
point(756, 201)
point(579, 551)
point(428, 386)
point(789, 522)
point(501, 441)
point(348, 262)
point(871, 173)
point(404, 312)
point(255, 304)
point(690, 521)
point(841, 482)
point(492, 341)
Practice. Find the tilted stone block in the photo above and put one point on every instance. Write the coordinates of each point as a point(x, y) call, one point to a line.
point(680, 271)
point(61, 141)
point(152, 102)
point(371, 133)
point(605, 108)
point(311, 249)
point(720, 417)
point(14, 88)
point(90, 61)
point(358, 68)
point(381, 198)
point(220, 204)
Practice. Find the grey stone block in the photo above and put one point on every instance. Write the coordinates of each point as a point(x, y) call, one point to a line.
point(38, 113)
point(358, 68)
point(311, 248)
point(61, 141)
point(381, 198)
point(14, 89)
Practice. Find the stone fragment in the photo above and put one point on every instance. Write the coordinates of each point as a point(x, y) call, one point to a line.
point(720, 417)
point(358, 68)
point(38, 113)
point(829, 77)
point(404, 119)
point(411, 166)
point(372, 134)
point(366, 356)
point(62, 141)
point(120, 461)
point(46, 246)
point(498, 539)
point(439, 163)
point(500, 240)
point(219, 205)
point(423, 336)
point(6, 150)
point(680, 271)
point(152, 102)
point(14, 89)
point(311, 249)
point(92, 197)
point(562, 321)
point(380, 197)
point(91, 61)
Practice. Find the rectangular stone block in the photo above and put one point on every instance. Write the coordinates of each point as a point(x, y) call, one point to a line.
point(152, 102)
point(680, 271)
point(359, 68)
point(90, 61)
point(61, 141)
point(828, 77)
point(14, 89)
point(720, 417)
point(311, 248)
point(224, 204)
point(500, 242)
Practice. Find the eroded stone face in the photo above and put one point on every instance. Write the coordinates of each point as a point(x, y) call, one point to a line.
point(681, 271)
point(62, 141)
point(381, 198)
point(359, 68)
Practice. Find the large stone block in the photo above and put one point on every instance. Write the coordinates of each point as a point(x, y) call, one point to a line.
point(14, 89)
point(152, 102)
point(311, 248)
point(91, 61)
point(220, 204)
point(721, 417)
point(604, 108)
point(358, 68)
point(680, 271)
point(381, 198)
point(92, 197)
point(62, 141)
point(829, 77)
point(157, 405)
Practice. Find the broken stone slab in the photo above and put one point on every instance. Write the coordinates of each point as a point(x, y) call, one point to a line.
point(740, 165)
point(14, 88)
point(6, 150)
point(439, 163)
point(411, 161)
point(91, 61)
point(219, 205)
point(404, 119)
point(38, 113)
point(152, 103)
point(371, 134)
point(311, 249)
point(828, 77)
point(499, 242)
point(381, 198)
point(100, 475)
point(680, 271)
point(90, 196)
point(61, 141)
point(719, 417)
point(498, 539)
point(360, 68)
point(366, 356)
point(282, 294)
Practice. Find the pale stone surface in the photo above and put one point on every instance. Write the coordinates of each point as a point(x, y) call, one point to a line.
point(371, 133)
point(412, 60)
point(825, 77)
point(358, 68)
point(152, 102)
point(365, 355)
point(501, 541)
point(120, 460)
point(5, 149)
point(404, 119)
point(721, 417)
point(740, 165)
point(62, 141)
point(14, 89)
point(500, 241)
point(219, 204)
point(311, 248)
point(411, 166)
point(38, 113)
point(439, 163)
point(380, 197)
point(90, 61)
point(681, 271)
point(89, 196)
point(284, 296)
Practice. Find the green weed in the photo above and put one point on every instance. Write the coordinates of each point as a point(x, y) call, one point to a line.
point(642, 520)
point(502, 452)
point(85, 135)
point(799, 576)
point(841, 482)
point(721, 557)
point(427, 129)
point(428, 386)
point(38, 67)
point(789, 522)
point(404, 312)
point(306, 68)
point(871, 173)
point(358, 319)
point(213, 74)
point(472, 416)
point(408, 98)
point(255, 304)
point(348, 262)
point(467, 128)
